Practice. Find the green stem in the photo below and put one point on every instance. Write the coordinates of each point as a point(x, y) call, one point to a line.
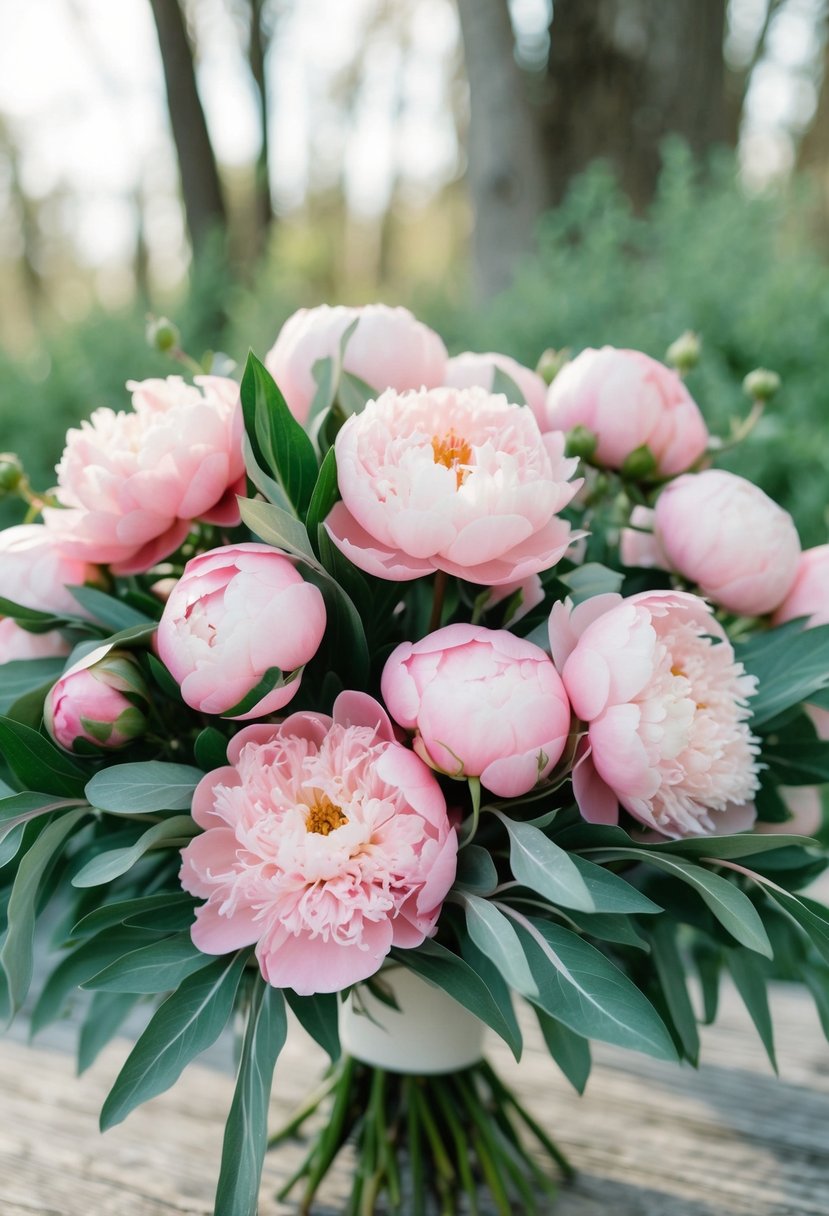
point(311, 1104)
point(506, 1095)
point(439, 591)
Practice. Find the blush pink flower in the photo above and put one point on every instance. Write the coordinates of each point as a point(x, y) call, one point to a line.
point(665, 703)
point(483, 703)
point(131, 483)
point(326, 843)
point(235, 614)
point(470, 370)
point(100, 702)
point(389, 348)
point(37, 574)
point(724, 534)
point(627, 400)
point(809, 597)
point(450, 479)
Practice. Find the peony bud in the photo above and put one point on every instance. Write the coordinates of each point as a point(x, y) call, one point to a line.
point(639, 465)
point(551, 363)
point(684, 352)
point(162, 334)
point(11, 473)
point(581, 442)
point(99, 702)
point(761, 384)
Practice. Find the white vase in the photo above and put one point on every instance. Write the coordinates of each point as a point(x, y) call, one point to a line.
point(430, 1033)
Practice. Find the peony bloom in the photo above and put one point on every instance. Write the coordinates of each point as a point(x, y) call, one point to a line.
point(470, 370)
point(808, 594)
point(326, 843)
point(37, 574)
point(724, 534)
point(132, 483)
point(483, 703)
point(455, 480)
point(235, 614)
point(666, 706)
point(627, 400)
point(99, 701)
point(389, 349)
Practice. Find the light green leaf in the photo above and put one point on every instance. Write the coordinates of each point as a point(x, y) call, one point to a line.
point(21, 808)
point(156, 967)
point(790, 663)
point(611, 892)
point(137, 789)
point(114, 862)
point(569, 1050)
point(112, 612)
point(106, 1015)
point(476, 870)
point(495, 936)
point(22, 676)
point(544, 867)
point(504, 383)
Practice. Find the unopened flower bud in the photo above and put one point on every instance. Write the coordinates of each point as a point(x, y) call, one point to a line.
point(162, 334)
point(684, 352)
point(551, 363)
point(761, 384)
point(11, 473)
point(639, 465)
point(581, 442)
point(100, 702)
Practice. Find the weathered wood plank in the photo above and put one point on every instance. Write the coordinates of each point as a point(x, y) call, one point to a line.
point(648, 1139)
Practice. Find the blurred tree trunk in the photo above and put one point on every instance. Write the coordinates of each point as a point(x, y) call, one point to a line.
point(258, 42)
point(200, 186)
point(620, 76)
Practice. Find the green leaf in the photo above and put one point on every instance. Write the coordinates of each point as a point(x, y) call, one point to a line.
point(156, 967)
point(22, 676)
point(210, 749)
point(78, 966)
point(353, 393)
point(324, 372)
point(137, 789)
point(794, 758)
point(750, 981)
point(273, 678)
point(503, 383)
point(120, 911)
point(611, 892)
point(591, 579)
point(791, 663)
point(816, 979)
point(37, 763)
point(246, 1131)
point(182, 1027)
point(164, 679)
point(16, 956)
point(449, 972)
point(731, 906)
point(569, 1050)
point(278, 528)
point(476, 870)
point(501, 992)
point(31, 619)
point(21, 808)
point(326, 493)
point(617, 927)
point(113, 613)
point(112, 863)
point(745, 844)
point(544, 867)
point(106, 1015)
point(317, 1014)
point(280, 445)
point(670, 971)
point(495, 936)
point(580, 987)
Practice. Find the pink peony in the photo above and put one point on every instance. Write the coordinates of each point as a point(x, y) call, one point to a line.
point(99, 701)
point(455, 480)
point(627, 400)
point(389, 349)
point(808, 594)
point(665, 702)
point(483, 703)
point(37, 574)
point(235, 614)
point(724, 534)
point(470, 370)
point(326, 844)
point(132, 483)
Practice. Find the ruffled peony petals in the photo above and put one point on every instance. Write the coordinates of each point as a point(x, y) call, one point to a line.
point(215, 933)
point(366, 553)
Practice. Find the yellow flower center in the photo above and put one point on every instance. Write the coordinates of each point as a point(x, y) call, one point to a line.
point(452, 451)
point(324, 817)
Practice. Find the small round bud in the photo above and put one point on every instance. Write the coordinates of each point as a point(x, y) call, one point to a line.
point(162, 334)
point(98, 704)
point(683, 354)
point(551, 363)
point(11, 473)
point(761, 384)
point(639, 465)
point(581, 442)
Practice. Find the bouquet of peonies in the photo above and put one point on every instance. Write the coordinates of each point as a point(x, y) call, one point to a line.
point(392, 688)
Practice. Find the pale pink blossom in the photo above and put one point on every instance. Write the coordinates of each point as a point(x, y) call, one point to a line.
point(470, 370)
point(627, 400)
point(236, 613)
point(482, 703)
point(451, 479)
point(37, 574)
point(389, 348)
point(130, 483)
point(808, 595)
point(724, 534)
point(326, 843)
point(99, 702)
point(665, 705)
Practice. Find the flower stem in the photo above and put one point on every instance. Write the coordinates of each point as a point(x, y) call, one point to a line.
point(439, 591)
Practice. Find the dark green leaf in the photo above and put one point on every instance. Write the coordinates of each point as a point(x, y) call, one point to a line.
point(670, 971)
point(611, 892)
point(476, 870)
point(791, 664)
point(246, 1131)
point(210, 749)
point(182, 1027)
point(106, 1015)
point(156, 967)
point(280, 445)
point(501, 992)
point(78, 966)
point(37, 763)
point(22, 676)
point(325, 494)
point(136, 789)
point(29, 618)
point(273, 678)
point(617, 927)
point(317, 1014)
point(569, 1050)
point(544, 867)
point(164, 679)
point(119, 912)
point(750, 980)
point(21, 808)
point(113, 613)
point(112, 863)
point(746, 844)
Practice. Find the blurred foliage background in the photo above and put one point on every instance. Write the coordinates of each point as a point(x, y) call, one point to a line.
point(522, 174)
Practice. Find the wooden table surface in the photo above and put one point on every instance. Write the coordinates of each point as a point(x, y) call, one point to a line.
point(647, 1139)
